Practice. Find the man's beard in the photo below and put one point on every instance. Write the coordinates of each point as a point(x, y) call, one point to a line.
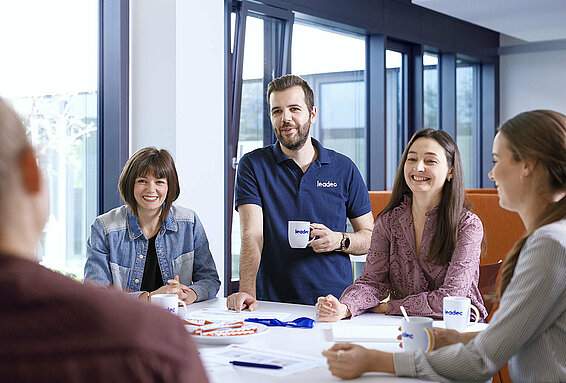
point(298, 141)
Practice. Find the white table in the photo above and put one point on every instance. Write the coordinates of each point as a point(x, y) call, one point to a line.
point(309, 342)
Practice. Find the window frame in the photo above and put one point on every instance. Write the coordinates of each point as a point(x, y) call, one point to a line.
point(113, 99)
point(234, 64)
point(385, 24)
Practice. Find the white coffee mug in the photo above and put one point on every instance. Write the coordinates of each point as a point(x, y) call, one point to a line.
point(456, 312)
point(299, 234)
point(416, 334)
point(170, 302)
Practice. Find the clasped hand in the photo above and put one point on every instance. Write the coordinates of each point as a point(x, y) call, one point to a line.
point(173, 286)
point(329, 309)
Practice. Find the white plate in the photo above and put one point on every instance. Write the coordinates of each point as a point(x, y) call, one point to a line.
point(262, 329)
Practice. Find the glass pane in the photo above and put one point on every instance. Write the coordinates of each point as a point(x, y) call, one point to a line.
point(394, 113)
point(333, 64)
point(260, 51)
point(430, 84)
point(232, 30)
point(466, 120)
point(50, 75)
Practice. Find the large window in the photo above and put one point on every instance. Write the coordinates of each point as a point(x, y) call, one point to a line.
point(395, 111)
point(263, 38)
point(49, 72)
point(333, 64)
point(467, 116)
point(431, 96)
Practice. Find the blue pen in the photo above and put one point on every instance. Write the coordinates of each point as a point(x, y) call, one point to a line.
point(258, 365)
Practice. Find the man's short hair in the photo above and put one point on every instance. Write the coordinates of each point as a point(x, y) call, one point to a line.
point(149, 161)
point(288, 81)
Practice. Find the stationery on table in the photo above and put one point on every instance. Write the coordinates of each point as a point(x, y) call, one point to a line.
point(213, 314)
point(302, 322)
point(365, 333)
point(256, 365)
point(220, 372)
point(245, 357)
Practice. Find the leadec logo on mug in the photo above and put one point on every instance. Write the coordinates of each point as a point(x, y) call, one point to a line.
point(170, 302)
point(298, 233)
point(416, 334)
point(457, 312)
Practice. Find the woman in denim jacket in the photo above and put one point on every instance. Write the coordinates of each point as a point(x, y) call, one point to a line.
point(148, 246)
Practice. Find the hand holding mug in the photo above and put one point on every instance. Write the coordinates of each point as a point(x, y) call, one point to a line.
point(325, 239)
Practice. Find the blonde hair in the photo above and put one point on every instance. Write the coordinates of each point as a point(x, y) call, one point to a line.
point(538, 134)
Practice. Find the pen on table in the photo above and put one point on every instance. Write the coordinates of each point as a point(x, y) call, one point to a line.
point(258, 365)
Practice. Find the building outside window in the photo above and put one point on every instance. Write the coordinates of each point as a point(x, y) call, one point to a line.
point(467, 120)
point(395, 112)
point(49, 74)
point(333, 63)
point(261, 36)
point(431, 94)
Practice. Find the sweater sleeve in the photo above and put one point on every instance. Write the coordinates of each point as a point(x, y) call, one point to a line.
point(373, 285)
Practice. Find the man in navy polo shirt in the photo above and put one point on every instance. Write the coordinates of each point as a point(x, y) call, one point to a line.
point(297, 179)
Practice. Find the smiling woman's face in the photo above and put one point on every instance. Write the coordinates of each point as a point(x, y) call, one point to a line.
point(426, 168)
point(506, 173)
point(150, 192)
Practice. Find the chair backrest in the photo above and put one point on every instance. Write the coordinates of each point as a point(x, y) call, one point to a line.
point(378, 201)
point(487, 283)
point(502, 228)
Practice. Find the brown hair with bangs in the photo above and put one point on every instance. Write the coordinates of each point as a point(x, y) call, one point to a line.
point(452, 204)
point(149, 161)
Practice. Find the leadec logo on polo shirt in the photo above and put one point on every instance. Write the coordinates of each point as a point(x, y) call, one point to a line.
point(327, 184)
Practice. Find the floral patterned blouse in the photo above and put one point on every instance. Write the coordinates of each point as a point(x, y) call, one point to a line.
point(394, 269)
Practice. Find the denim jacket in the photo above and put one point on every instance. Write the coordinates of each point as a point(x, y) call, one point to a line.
point(117, 248)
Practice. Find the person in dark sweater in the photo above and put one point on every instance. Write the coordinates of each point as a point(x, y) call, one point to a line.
point(55, 329)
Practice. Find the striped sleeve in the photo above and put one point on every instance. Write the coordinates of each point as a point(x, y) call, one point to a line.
point(529, 329)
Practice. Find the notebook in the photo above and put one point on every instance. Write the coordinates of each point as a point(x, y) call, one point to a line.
point(365, 333)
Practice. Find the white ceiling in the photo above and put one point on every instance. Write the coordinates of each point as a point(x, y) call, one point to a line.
point(529, 20)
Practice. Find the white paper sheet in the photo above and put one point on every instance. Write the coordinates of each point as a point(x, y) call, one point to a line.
point(219, 372)
point(365, 333)
point(230, 315)
point(292, 363)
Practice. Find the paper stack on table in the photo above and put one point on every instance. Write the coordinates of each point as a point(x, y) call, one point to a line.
point(345, 332)
point(291, 363)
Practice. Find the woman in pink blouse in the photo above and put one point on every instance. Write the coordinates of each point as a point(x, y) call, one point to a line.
point(426, 243)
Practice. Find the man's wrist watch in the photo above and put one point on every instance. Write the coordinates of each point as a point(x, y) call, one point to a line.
point(345, 243)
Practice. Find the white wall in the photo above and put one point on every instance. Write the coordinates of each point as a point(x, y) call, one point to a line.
point(152, 74)
point(177, 100)
point(528, 81)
